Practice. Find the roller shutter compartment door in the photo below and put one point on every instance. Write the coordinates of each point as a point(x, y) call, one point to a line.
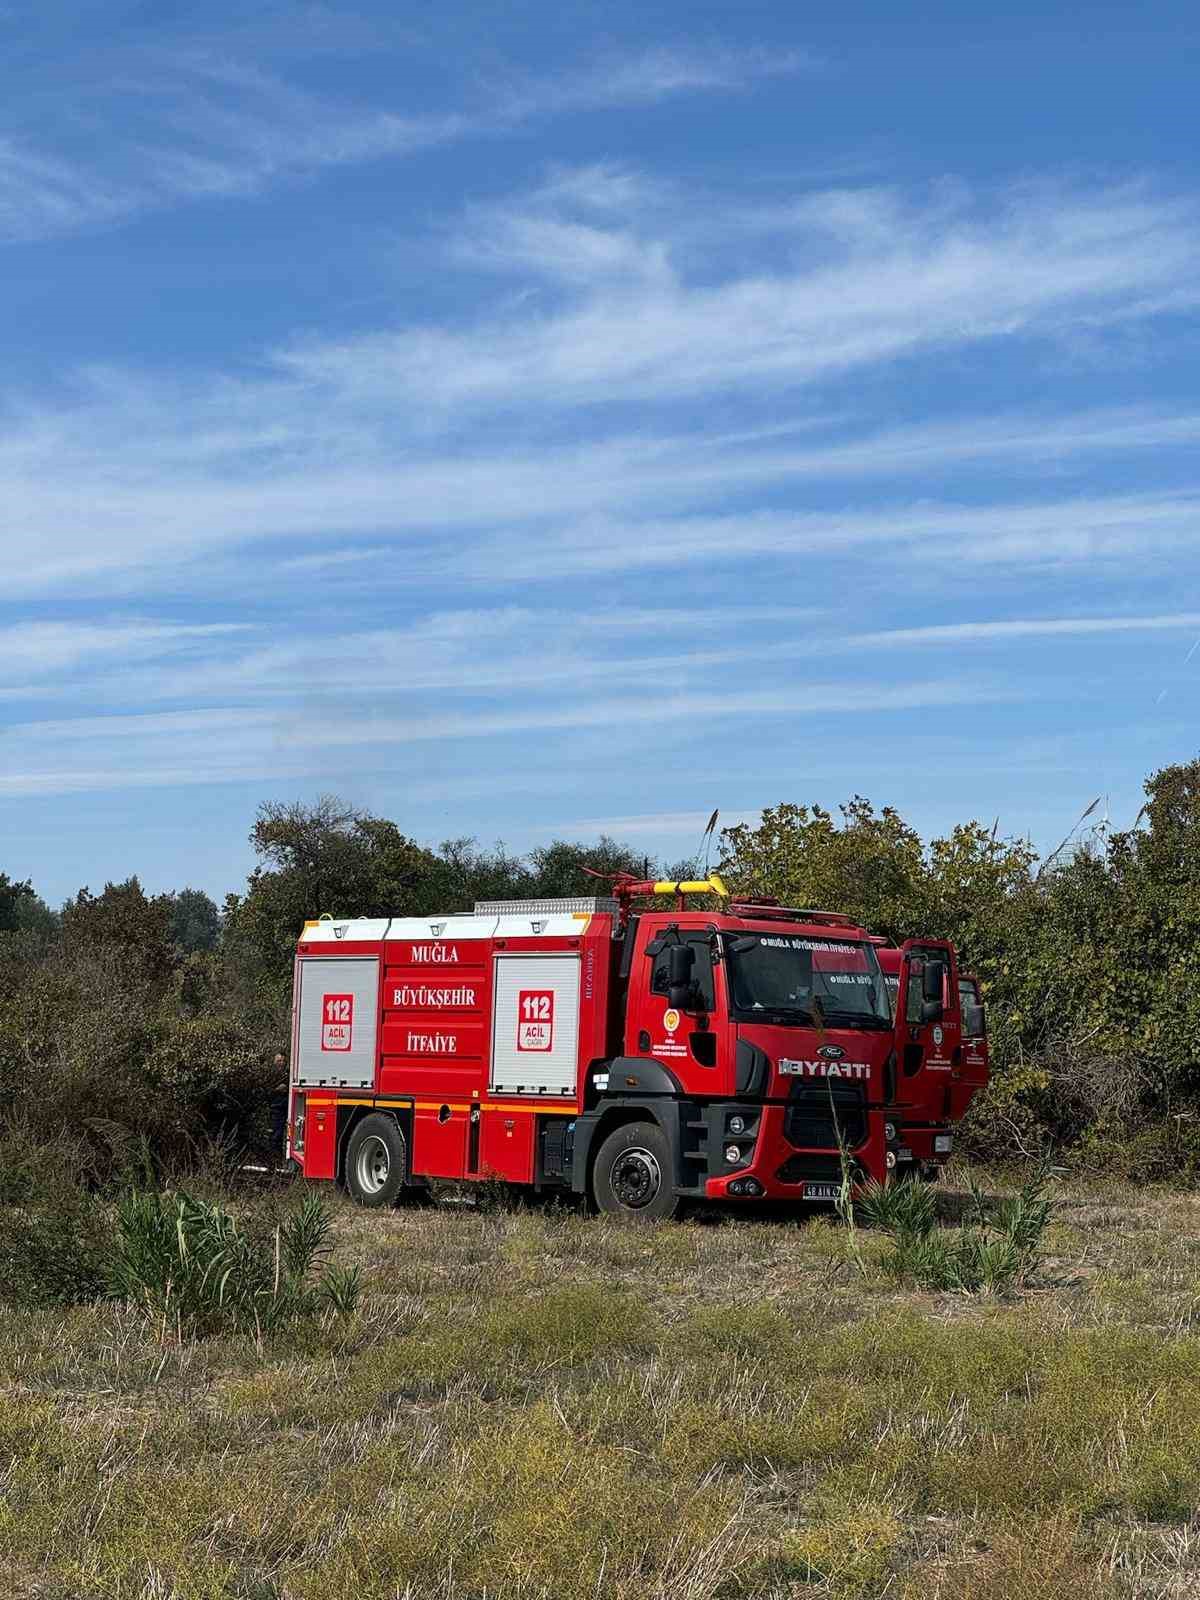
point(535, 1028)
point(339, 1020)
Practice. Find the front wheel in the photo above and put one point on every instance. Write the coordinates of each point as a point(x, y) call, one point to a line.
point(376, 1162)
point(632, 1174)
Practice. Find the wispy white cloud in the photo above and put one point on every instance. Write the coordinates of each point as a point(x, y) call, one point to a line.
point(211, 124)
point(654, 75)
point(403, 436)
point(232, 742)
point(43, 194)
point(679, 825)
point(35, 650)
point(445, 656)
point(71, 509)
point(879, 278)
point(954, 633)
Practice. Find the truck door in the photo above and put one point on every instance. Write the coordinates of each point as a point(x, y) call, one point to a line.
point(693, 1043)
point(928, 1027)
point(971, 1074)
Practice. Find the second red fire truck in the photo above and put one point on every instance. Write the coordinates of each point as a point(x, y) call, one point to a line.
point(938, 1077)
point(638, 1057)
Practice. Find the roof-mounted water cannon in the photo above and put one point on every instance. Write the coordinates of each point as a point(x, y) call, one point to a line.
point(626, 889)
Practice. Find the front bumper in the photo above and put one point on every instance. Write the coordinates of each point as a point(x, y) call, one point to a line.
point(926, 1144)
point(779, 1168)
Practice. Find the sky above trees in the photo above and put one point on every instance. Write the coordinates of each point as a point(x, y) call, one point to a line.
point(568, 420)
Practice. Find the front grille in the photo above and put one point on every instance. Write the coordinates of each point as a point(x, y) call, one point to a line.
point(811, 1169)
point(819, 1116)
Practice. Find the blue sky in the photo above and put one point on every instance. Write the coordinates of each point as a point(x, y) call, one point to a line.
point(526, 421)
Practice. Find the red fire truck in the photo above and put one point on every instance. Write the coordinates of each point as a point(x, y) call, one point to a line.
point(942, 1068)
point(637, 1056)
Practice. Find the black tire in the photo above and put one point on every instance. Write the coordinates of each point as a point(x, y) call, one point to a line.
point(632, 1175)
point(376, 1162)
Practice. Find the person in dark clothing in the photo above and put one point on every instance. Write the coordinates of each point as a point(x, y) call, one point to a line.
point(279, 1105)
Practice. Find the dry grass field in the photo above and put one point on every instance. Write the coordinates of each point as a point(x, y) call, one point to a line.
point(538, 1404)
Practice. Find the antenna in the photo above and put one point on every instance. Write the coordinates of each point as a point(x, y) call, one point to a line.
point(706, 839)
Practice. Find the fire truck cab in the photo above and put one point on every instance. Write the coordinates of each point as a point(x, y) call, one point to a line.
point(943, 1065)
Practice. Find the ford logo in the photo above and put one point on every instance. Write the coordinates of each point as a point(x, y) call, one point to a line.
point(831, 1052)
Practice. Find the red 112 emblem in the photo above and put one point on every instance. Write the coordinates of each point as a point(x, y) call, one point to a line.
point(535, 1019)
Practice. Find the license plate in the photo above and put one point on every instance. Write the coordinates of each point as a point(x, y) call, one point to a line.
point(822, 1191)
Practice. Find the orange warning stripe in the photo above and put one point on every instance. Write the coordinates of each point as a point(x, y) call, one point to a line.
point(436, 1105)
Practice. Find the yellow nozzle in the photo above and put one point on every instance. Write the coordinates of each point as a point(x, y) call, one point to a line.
point(710, 885)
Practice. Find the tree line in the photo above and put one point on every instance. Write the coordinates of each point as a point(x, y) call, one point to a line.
point(161, 1013)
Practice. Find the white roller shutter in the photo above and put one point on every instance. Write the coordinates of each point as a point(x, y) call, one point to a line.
point(535, 1027)
point(339, 1017)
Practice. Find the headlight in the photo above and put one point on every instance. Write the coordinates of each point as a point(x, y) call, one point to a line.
point(891, 1159)
point(737, 1124)
point(732, 1154)
point(889, 1132)
point(943, 1143)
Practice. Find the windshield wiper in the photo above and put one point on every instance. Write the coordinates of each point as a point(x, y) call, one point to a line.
point(854, 1019)
point(790, 1016)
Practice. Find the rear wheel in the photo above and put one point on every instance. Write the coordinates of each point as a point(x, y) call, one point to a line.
point(632, 1175)
point(376, 1162)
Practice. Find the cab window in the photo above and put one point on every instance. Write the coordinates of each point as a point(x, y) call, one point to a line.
point(702, 970)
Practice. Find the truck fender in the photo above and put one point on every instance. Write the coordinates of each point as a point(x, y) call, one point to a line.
point(637, 1075)
point(593, 1127)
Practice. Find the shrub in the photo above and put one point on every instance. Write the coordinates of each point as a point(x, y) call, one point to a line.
point(1142, 1151)
point(56, 1251)
point(188, 1264)
point(992, 1254)
point(905, 1208)
point(54, 1238)
point(193, 1265)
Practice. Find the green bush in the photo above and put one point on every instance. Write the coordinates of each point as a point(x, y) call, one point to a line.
point(193, 1266)
point(991, 1253)
point(55, 1251)
point(188, 1264)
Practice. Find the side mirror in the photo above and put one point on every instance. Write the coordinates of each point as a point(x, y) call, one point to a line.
point(681, 960)
point(933, 976)
point(974, 1025)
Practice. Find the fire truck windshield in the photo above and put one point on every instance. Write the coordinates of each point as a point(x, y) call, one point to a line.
point(805, 982)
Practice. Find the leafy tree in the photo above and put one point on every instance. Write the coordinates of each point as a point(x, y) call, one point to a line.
point(126, 922)
point(316, 859)
point(35, 921)
point(871, 866)
point(13, 897)
point(195, 920)
point(557, 869)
